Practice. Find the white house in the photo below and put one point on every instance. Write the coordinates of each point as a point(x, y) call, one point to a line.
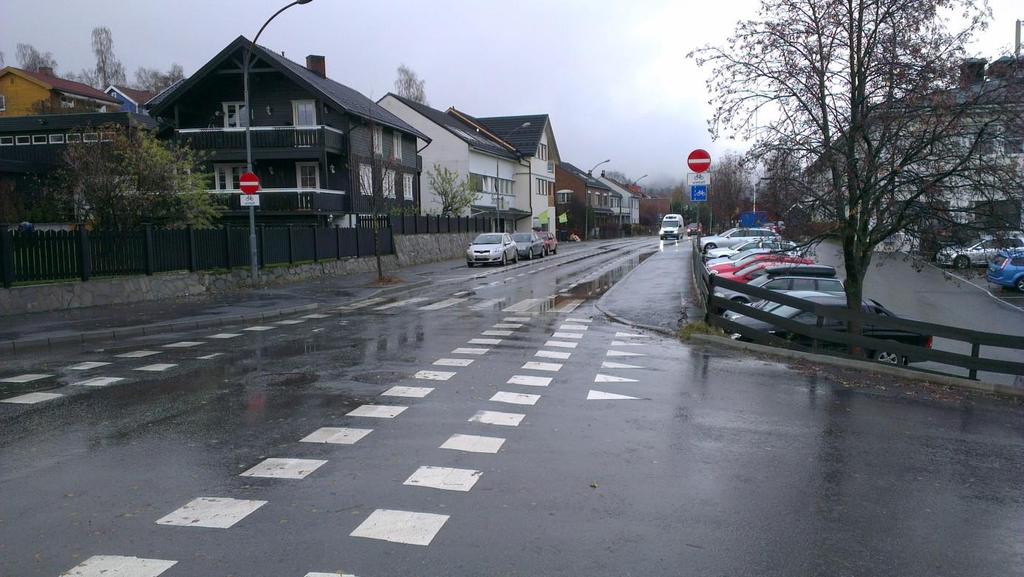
point(629, 203)
point(491, 166)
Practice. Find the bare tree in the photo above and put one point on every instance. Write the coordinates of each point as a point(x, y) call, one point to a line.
point(863, 96)
point(32, 60)
point(409, 85)
point(155, 81)
point(454, 192)
point(377, 178)
point(109, 69)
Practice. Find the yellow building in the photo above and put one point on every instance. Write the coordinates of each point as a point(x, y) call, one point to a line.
point(24, 93)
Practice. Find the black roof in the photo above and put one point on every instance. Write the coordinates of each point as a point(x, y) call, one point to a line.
point(592, 182)
point(463, 130)
point(49, 122)
point(524, 139)
point(347, 99)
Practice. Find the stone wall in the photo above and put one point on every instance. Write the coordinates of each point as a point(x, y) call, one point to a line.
point(411, 249)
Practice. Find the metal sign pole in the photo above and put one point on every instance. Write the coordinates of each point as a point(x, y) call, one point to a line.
point(253, 263)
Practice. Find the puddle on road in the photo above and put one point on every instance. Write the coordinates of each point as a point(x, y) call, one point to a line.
point(593, 288)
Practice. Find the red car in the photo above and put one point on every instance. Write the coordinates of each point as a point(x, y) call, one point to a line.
point(737, 265)
point(748, 273)
point(550, 242)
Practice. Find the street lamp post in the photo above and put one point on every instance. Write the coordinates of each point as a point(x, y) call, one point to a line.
point(497, 172)
point(586, 190)
point(253, 263)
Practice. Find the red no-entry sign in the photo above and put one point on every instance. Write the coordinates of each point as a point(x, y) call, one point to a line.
point(699, 160)
point(249, 183)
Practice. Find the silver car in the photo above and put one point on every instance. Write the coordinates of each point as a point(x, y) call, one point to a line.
point(734, 237)
point(785, 284)
point(979, 253)
point(492, 248)
point(775, 245)
point(529, 244)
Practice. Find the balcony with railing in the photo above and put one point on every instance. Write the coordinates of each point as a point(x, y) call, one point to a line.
point(287, 200)
point(289, 141)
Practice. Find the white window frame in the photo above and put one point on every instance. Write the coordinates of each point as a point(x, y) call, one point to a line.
point(295, 112)
point(542, 151)
point(239, 114)
point(365, 177)
point(298, 174)
point(222, 175)
point(407, 187)
point(56, 139)
point(73, 137)
point(39, 139)
point(90, 137)
point(563, 197)
point(389, 183)
point(6, 141)
point(22, 140)
point(378, 141)
point(396, 145)
point(66, 101)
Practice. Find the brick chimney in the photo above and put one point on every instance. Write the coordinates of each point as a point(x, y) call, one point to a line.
point(317, 64)
point(972, 71)
point(46, 71)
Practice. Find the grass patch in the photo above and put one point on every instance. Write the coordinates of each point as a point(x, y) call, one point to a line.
point(697, 328)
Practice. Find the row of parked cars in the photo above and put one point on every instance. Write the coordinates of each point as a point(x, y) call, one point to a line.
point(1002, 255)
point(760, 258)
point(504, 247)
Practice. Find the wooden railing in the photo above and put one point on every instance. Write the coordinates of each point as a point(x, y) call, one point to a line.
point(262, 137)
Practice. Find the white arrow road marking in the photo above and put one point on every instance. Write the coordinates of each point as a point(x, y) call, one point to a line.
point(624, 354)
point(603, 396)
point(611, 365)
point(612, 379)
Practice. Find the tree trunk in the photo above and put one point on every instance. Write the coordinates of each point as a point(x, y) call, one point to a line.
point(376, 251)
point(855, 270)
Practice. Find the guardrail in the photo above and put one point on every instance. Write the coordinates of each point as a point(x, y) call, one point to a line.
point(822, 338)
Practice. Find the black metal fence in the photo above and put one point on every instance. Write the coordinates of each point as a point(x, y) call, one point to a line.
point(822, 339)
point(41, 256)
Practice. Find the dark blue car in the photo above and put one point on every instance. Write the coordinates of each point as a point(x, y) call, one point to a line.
point(1007, 269)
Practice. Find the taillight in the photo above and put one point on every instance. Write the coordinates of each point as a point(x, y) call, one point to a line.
point(928, 342)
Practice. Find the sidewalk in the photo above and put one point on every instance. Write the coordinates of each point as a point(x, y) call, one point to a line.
point(656, 293)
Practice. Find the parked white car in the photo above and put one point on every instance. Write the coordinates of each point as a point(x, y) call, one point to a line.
point(490, 248)
point(979, 253)
point(734, 237)
point(774, 245)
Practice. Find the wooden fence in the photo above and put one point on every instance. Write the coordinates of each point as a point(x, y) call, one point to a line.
point(30, 257)
point(821, 338)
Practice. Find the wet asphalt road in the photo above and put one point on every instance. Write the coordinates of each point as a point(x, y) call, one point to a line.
point(722, 465)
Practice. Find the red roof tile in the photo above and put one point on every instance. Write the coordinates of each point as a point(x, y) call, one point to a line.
point(68, 86)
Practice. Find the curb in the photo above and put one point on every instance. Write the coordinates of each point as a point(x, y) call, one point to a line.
point(32, 343)
point(622, 320)
point(865, 366)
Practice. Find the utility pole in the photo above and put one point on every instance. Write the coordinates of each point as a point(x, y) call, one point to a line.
point(1020, 23)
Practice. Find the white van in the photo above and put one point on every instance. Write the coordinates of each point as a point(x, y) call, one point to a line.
point(671, 227)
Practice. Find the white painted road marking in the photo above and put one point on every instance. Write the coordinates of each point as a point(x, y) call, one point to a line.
point(515, 398)
point(497, 333)
point(529, 381)
point(485, 341)
point(119, 566)
point(31, 398)
point(209, 356)
point(553, 355)
point(433, 375)
point(561, 344)
point(442, 304)
point(212, 512)
point(507, 326)
point(611, 365)
point(183, 345)
point(336, 435)
point(156, 367)
point(453, 362)
point(87, 365)
point(522, 306)
point(516, 319)
point(497, 418)
point(624, 354)
point(445, 478)
point(487, 304)
point(562, 335)
point(412, 392)
point(290, 322)
point(630, 336)
point(473, 443)
point(258, 328)
point(626, 344)
point(284, 468)
point(574, 320)
point(377, 411)
point(405, 527)
point(360, 304)
point(568, 327)
point(400, 303)
point(137, 354)
point(27, 378)
point(224, 336)
point(603, 396)
point(469, 351)
point(314, 316)
point(534, 366)
point(98, 382)
point(612, 379)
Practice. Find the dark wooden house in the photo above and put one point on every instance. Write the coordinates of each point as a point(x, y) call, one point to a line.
point(324, 153)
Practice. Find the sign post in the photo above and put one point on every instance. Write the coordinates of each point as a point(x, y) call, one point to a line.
point(699, 180)
point(249, 184)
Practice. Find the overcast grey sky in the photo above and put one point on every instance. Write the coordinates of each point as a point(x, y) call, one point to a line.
point(613, 75)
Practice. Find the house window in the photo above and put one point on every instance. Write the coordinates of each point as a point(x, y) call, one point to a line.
point(56, 139)
point(407, 191)
point(22, 139)
point(234, 115)
point(74, 137)
point(3, 103)
point(6, 141)
point(366, 179)
point(389, 183)
point(396, 145)
point(66, 101)
point(378, 141)
point(38, 139)
point(90, 137)
point(307, 175)
point(542, 151)
point(304, 112)
point(227, 175)
point(564, 196)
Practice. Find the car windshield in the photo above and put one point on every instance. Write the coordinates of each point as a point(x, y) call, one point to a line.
point(522, 237)
point(488, 239)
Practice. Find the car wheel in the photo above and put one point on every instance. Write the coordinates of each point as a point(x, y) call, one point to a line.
point(504, 259)
point(1020, 284)
point(470, 264)
point(710, 246)
point(887, 358)
point(962, 262)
